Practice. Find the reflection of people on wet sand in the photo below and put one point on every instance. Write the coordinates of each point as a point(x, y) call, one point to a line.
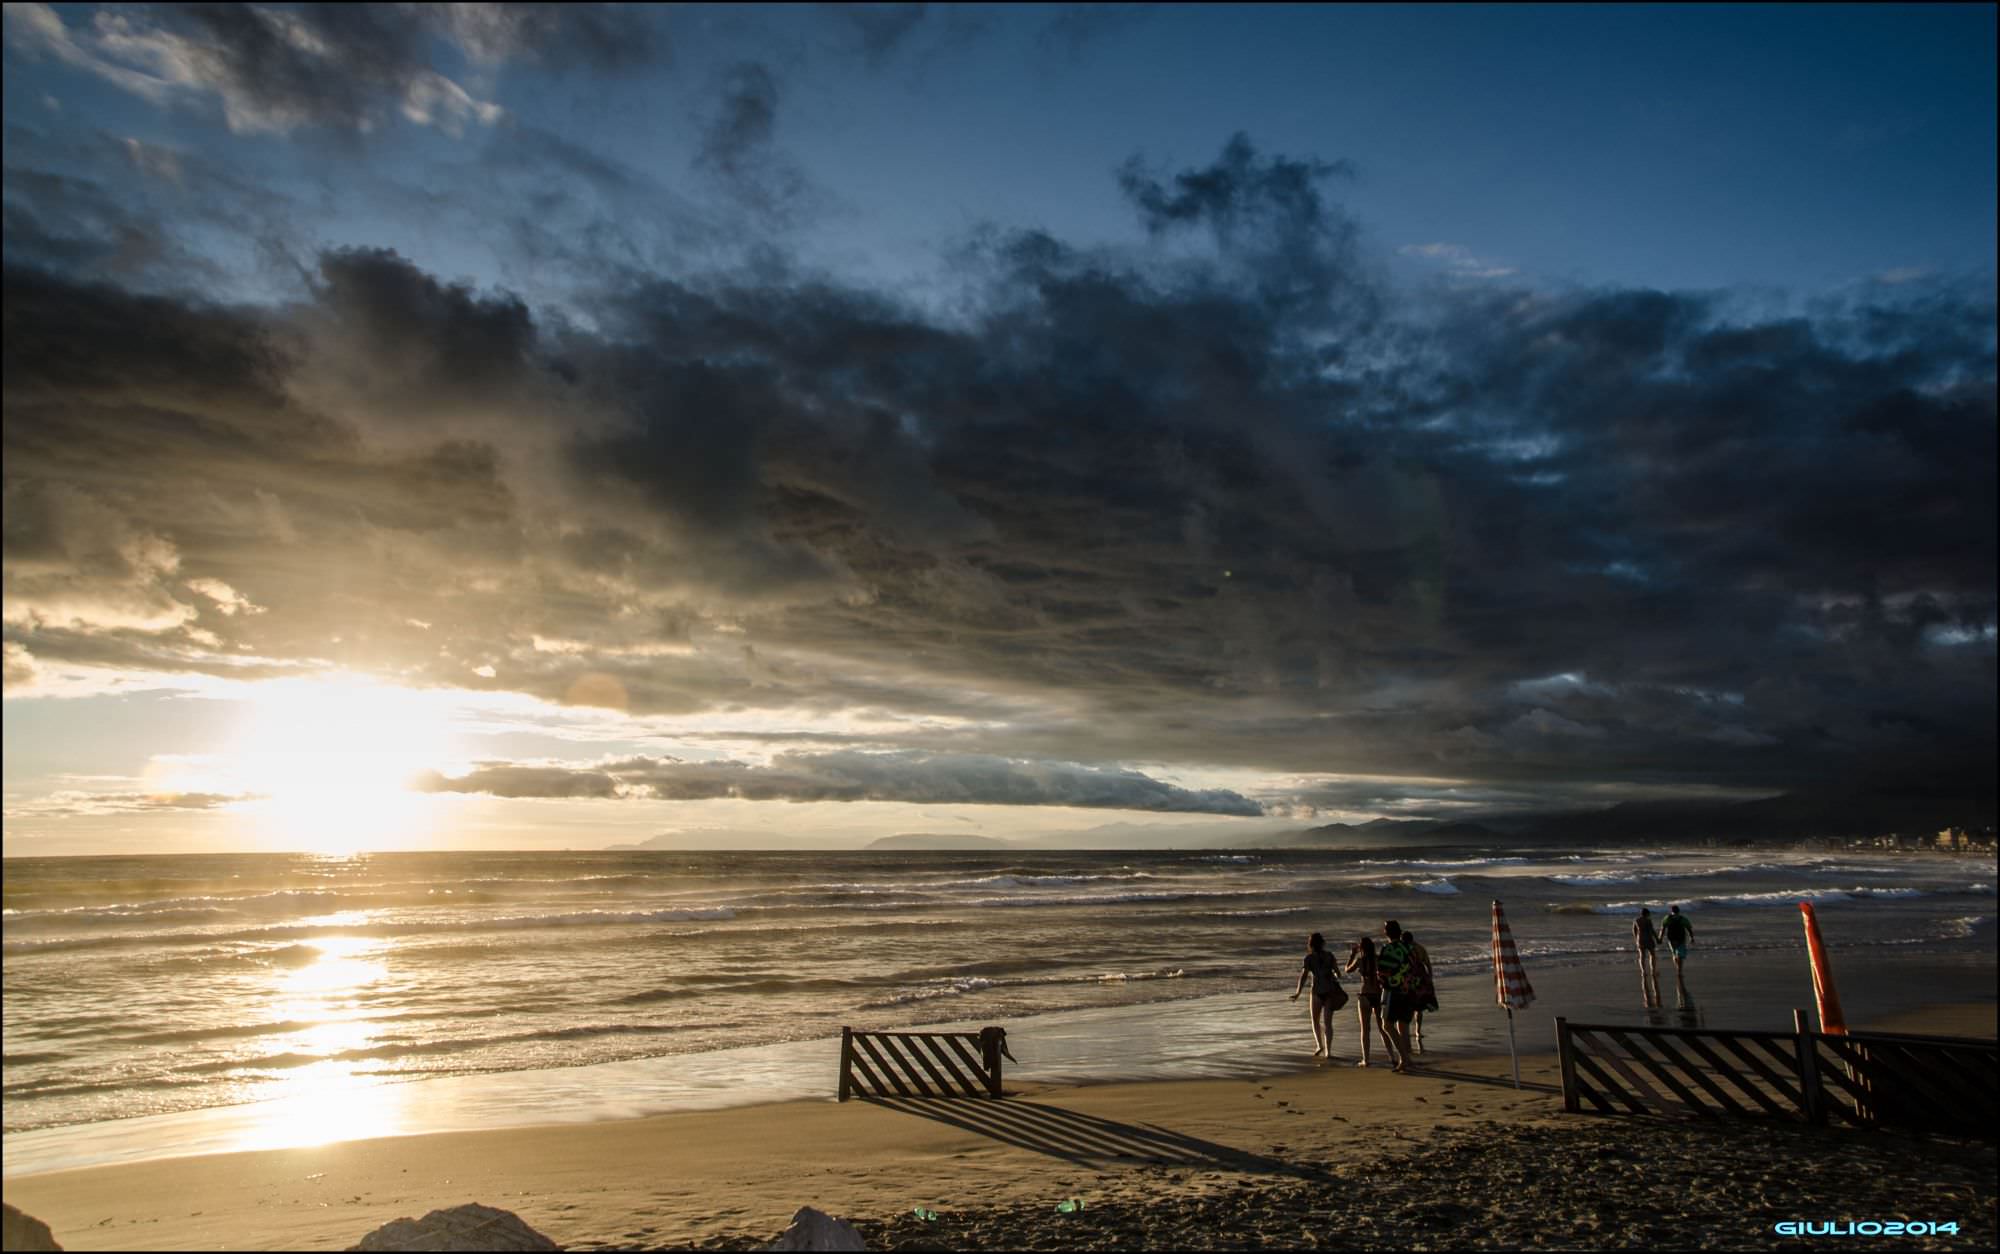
point(1677, 932)
point(1649, 968)
point(1327, 995)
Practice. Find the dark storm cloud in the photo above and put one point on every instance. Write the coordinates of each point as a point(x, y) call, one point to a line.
point(737, 141)
point(499, 779)
point(1228, 501)
point(879, 29)
point(907, 776)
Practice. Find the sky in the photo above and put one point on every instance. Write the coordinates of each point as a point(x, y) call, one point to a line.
point(535, 426)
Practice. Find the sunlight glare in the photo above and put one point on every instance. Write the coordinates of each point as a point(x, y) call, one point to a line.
point(332, 761)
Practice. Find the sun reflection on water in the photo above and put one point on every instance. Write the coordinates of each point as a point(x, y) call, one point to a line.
point(321, 1102)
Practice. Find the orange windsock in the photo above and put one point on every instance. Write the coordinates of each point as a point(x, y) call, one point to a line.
point(1831, 1021)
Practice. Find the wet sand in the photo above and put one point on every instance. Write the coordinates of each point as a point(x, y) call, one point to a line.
point(1453, 1157)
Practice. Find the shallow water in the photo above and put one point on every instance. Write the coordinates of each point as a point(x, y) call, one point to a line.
point(182, 1005)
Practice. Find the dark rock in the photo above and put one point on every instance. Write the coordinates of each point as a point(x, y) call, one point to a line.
point(817, 1230)
point(468, 1227)
point(22, 1231)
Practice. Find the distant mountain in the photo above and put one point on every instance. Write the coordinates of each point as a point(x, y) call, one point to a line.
point(943, 842)
point(1791, 816)
point(1464, 833)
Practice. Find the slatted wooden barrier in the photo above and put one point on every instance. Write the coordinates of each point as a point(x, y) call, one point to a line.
point(931, 1064)
point(1862, 1079)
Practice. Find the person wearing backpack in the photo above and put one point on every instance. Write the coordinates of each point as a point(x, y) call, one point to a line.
point(1397, 967)
point(1677, 932)
point(1426, 992)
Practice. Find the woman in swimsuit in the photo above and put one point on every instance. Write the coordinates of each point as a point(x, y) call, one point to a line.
point(1361, 958)
point(1318, 968)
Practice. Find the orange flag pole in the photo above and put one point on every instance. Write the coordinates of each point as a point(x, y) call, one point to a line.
point(1831, 1021)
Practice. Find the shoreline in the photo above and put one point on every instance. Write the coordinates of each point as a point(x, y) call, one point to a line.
point(712, 1178)
point(1231, 1036)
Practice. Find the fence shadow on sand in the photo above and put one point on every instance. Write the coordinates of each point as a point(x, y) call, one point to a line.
point(1089, 1139)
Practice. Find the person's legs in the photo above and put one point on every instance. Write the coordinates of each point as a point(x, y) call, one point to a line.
point(1649, 978)
point(1322, 1039)
point(1399, 1037)
point(1366, 1014)
point(1419, 1021)
point(1395, 1030)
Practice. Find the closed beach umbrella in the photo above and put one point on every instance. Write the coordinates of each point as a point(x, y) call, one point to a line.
point(1510, 982)
point(1831, 1021)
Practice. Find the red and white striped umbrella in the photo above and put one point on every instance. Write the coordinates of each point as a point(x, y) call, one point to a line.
point(1510, 982)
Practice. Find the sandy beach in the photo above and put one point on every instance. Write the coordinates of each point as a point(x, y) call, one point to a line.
point(1300, 1160)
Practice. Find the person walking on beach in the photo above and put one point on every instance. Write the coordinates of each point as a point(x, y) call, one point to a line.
point(1649, 967)
point(1677, 932)
point(1426, 995)
point(1327, 995)
point(1396, 967)
point(1361, 961)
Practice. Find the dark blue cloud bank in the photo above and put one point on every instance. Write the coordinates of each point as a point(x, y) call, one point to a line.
point(1230, 498)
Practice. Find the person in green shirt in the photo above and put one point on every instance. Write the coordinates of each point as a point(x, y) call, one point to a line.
point(1676, 931)
point(1397, 967)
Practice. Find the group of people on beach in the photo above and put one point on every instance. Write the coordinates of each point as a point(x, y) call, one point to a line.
point(1396, 991)
point(1675, 932)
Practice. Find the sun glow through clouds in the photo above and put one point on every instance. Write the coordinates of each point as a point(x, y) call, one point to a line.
point(329, 763)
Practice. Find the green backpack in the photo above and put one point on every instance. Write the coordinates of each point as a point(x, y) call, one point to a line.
point(1393, 965)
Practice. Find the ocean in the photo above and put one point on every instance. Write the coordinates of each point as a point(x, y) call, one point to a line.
point(180, 1004)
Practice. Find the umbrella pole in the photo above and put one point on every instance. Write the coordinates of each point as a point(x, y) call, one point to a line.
point(1510, 1047)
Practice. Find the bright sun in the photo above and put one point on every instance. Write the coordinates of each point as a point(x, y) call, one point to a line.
point(331, 762)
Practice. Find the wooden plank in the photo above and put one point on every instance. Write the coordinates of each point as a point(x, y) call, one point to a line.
point(871, 1085)
point(1805, 1057)
point(932, 1042)
point(1976, 1044)
point(992, 1042)
point(1846, 1080)
point(895, 1055)
point(1783, 1087)
point(1729, 1072)
point(1850, 1098)
point(957, 1044)
point(1898, 1066)
point(1595, 1098)
point(1566, 1052)
point(846, 1062)
point(1611, 1087)
point(1694, 1071)
point(1750, 1035)
point(1663, 1075)
point(1610, 1058)
point(867, 1044)
point(916, 1051)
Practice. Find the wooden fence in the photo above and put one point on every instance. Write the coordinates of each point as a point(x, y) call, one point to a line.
point(1862, 1079)
point(932, 1064)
